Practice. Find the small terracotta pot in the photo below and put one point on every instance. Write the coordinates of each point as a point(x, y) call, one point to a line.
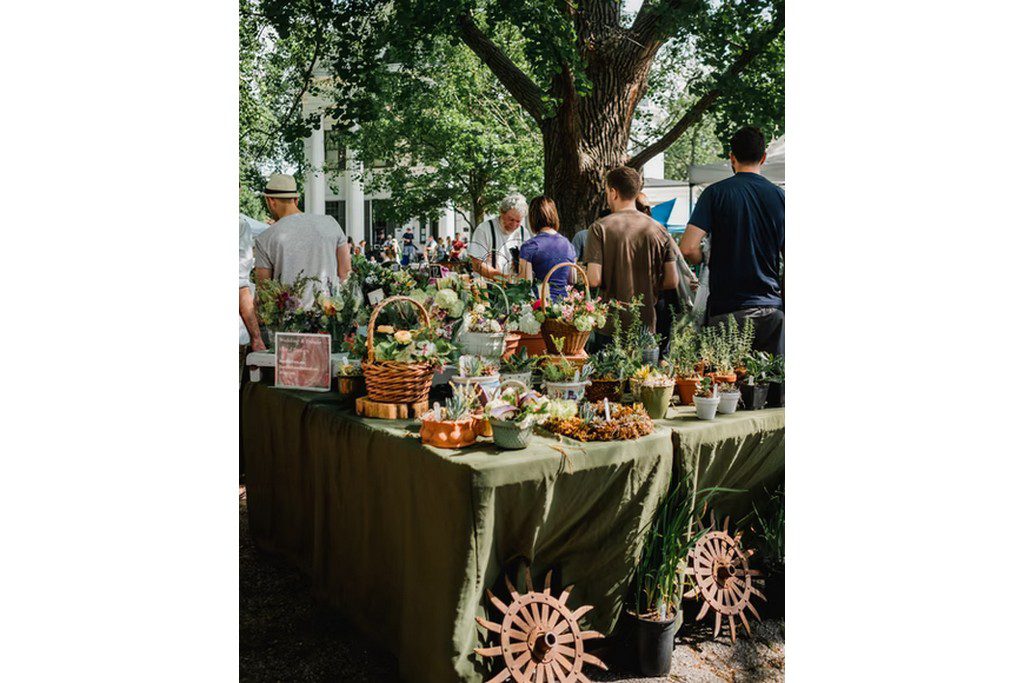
point(449, 434)
point(721, 377)
point(686, 387)
point(351, 386)
point(482, 426)
point(512, 340)
point(534, 344)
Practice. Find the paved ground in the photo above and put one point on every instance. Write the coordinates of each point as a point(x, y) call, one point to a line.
point(284, 636)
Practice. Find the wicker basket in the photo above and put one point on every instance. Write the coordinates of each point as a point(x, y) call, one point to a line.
point(391, 381)
point(555, 329)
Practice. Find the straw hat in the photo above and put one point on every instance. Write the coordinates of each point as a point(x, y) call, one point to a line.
point(281, 186)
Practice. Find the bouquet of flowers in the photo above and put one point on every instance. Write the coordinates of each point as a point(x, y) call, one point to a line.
point(279, 305)
point(421, 345)
point(480, 319)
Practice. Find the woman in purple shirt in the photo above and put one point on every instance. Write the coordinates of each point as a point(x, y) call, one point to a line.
point(546, 249)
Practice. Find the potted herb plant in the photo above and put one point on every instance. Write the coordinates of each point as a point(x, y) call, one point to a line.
point(656, 393)
point(453, 424)
point(563, 379)
point(519, 367)
point(683, 357)
point(754, 388)
point(512, 414)
point(606, 378)
point(775, 375)
point(655, 616)
point(706, 399)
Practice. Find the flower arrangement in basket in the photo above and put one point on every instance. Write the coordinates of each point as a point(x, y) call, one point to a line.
point(400, 368)
point(513, 412)
point(452, 425)
point(604, 421)
point(571, 319)
point(483, 329)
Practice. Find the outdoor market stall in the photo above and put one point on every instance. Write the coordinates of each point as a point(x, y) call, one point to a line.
point(405, 538)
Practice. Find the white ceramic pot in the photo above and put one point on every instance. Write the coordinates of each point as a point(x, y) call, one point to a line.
point(524, 377)
point(486, 344)
point(706, 407)
point(570, 391)
point(487, 383)
point(729, 401)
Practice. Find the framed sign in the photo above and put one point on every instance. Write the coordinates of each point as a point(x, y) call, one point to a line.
point(436, 272)
point(303, 361)
point(375, 297)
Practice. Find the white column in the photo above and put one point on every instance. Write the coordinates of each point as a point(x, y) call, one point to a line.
point(446, 227)
point(354, 214)
point(316, 183)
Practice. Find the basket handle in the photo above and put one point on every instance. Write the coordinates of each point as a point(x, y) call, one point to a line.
point(515, 382)
point(544, 293)
point(377, 309)
point(504, 297)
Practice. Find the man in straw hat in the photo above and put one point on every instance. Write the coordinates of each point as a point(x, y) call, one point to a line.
point(297, 242)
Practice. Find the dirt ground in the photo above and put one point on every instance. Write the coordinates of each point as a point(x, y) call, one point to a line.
point(284, 636)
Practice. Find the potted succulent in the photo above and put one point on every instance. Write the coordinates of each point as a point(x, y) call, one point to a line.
point(563, 379)
point(730, 398)
point(512, 414)
point(775, 375)
point(706, 399)
point(654, 616)
point(519, 367)
point(453, 424)
point(656, 392)
point(478, 372)
point(754, 388)
point(606, 377)
point(351, 383)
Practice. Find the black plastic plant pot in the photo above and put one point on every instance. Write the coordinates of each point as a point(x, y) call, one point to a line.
point(753, 396)
point(776, 394)
point(655, 641)
point(775, 592)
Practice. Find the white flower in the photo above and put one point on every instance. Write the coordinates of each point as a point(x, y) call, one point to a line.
point(528, 323)
point(447, 298)
point(494, 325)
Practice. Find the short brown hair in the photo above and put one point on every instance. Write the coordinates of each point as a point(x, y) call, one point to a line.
point(543, 214)
point(625, 180)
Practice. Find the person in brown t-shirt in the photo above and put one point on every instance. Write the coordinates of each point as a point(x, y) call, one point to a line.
point(628, 253)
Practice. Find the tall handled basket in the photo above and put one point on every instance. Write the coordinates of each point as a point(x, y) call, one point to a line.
point(554, 329)
point(487, 344)
point(391, 381)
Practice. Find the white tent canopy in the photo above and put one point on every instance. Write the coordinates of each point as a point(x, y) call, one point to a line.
point(774, 168)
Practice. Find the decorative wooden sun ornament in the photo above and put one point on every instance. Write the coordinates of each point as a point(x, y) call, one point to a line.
point(539, 637)
point(723, 577)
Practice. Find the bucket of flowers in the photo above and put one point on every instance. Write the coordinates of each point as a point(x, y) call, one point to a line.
point(453, 424)
point(513, 412)
point(571, 319)
point(351, 383)
point(400, 368)
point(519, 367)
point(280, 308)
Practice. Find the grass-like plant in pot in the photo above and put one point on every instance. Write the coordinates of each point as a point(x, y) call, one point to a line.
point(656, 392)
point(452, 425)
point(655, 614)
point(706, 399)
point(519, 367)
point(730, 398)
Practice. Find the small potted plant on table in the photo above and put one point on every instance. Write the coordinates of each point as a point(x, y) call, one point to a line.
point(564, 380)
point(754, 388)
point(656, 392)
point(730, 398)
point(775, 375)
point(351, 383)
point(453, 424)
point(606, 377)
point(513, 413)
point(683, 357)
point(706, 399)
point(478, 372)
point(519, 367)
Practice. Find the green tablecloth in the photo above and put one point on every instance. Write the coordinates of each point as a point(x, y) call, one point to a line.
point(405, 538)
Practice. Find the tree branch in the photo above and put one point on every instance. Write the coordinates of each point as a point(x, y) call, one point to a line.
point(649, 26)
point(519, 85)
point(693, 115)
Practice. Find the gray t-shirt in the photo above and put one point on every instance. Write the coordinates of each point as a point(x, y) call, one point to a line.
point(301, 243)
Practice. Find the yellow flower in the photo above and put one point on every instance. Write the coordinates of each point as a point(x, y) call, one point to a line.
point(385, 329)
point(403, 336)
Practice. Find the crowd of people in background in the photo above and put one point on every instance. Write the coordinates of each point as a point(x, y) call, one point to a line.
point(625, 252)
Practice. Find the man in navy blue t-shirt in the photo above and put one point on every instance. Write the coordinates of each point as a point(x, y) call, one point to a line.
point(745, 216)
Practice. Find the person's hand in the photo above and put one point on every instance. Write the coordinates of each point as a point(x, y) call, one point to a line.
point(258, 345)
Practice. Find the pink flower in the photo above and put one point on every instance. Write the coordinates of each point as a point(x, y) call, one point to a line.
point(590, 307)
